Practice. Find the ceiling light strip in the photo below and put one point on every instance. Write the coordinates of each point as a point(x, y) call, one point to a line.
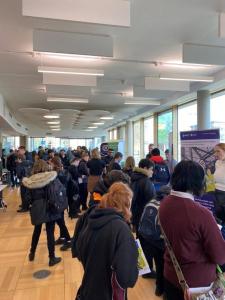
point(68, 100)
point(71, 71)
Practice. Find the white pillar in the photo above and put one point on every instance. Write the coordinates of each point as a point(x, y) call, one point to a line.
point(129, 147)
point(203, 109)
point(142, 143)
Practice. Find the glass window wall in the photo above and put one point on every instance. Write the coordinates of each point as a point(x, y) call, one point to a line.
point(137, 141)
point(165, 131)
point(217, 117)
point(148, 133)
point(187, 120)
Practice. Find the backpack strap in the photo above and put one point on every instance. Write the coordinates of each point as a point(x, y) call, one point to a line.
point(176, 265)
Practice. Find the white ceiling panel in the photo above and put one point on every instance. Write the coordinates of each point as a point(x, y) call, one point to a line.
point(69, 79)
point(109, 12)
point(163, 85)
point(72, 43)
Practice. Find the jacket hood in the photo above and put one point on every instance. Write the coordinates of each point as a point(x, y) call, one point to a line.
point(102, 216)
point(39, 180)
point(141, 171)
point(158, 159)
point(101, 187)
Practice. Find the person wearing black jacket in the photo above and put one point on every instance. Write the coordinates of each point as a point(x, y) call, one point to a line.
point(64, 178)
point(11, 166)
point(83, 179)
point(142, 188)
point(107, 248)
point(37, 186)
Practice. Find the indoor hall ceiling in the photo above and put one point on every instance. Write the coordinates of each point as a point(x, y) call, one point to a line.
point(150, 46)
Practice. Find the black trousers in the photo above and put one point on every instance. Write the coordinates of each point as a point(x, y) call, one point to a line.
point(172, 292)
point(24, 197)
point(50, 227)
point(13, 177)
point(220, 205)
point(151, 251)
point(64, 233)
point(83, 192)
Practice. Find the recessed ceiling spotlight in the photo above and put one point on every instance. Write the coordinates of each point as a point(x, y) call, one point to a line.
point(106, 118)
point(51, 116)
point(53, 122)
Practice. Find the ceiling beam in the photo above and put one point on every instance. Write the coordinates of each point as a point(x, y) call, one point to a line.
point(163, 85)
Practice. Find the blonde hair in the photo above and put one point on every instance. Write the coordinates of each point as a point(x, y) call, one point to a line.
point(40, 166)
point(118, 197)
point(130, 163)
point(221, 146)
point(95, 154)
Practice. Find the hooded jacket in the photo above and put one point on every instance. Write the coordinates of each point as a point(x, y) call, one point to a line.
point(106, 247)
point(143, 190)
point(37, 185)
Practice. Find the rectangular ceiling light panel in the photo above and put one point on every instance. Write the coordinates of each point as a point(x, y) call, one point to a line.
point(67, 100)
point(67, 79)
point(108, 12)
point(142, 102)
point(72, 43)
point(185, 78)
point(71, 71)
point(203, 54)
point(157, 84)
point(221, 31)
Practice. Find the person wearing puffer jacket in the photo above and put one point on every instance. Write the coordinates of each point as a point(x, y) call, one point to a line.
point(37, 185)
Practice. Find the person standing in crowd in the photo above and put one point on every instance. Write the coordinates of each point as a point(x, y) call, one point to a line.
point(108, 157)
point(23, 169)
point(51, 155)
point(104, 184)
point(142, 188)
point(143, 192)
point(3, 159)
point(63, 177)
point(192, 232)
point(161, 174)
point(37, 186)
point(219, 178)
point(115, 162)
point(170, 161)
point(150, 148)
point(106, 248)
point(11, 166)
point(151, 238)
point(83, 179)
point(96, 168)
point(64, 158)
point(129, 166)
point(73, 188)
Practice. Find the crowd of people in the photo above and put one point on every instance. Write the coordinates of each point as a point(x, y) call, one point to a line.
point(155, 200)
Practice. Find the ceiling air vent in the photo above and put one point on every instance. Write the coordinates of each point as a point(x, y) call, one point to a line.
point(48, 133)
point(18, 124)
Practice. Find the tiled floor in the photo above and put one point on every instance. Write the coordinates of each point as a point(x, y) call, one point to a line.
point(16, 272)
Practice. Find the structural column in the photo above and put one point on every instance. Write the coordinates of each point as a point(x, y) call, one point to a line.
point(129, 139)
point(203, 109)
point(142, 142)
point(174, 149)
point(155, 124)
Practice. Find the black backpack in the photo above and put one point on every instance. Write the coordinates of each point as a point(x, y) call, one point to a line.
point(56, 195)
point(149, 227)
point(161, 174)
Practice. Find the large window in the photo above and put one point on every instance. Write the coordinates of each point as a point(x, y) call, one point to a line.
point(137, 141)
point(165, 134)
point(187, 120)
point(217, 116)
point(148, 133)
point(10, 142)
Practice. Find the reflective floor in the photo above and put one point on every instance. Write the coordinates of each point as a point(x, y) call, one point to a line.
point(16, 280)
